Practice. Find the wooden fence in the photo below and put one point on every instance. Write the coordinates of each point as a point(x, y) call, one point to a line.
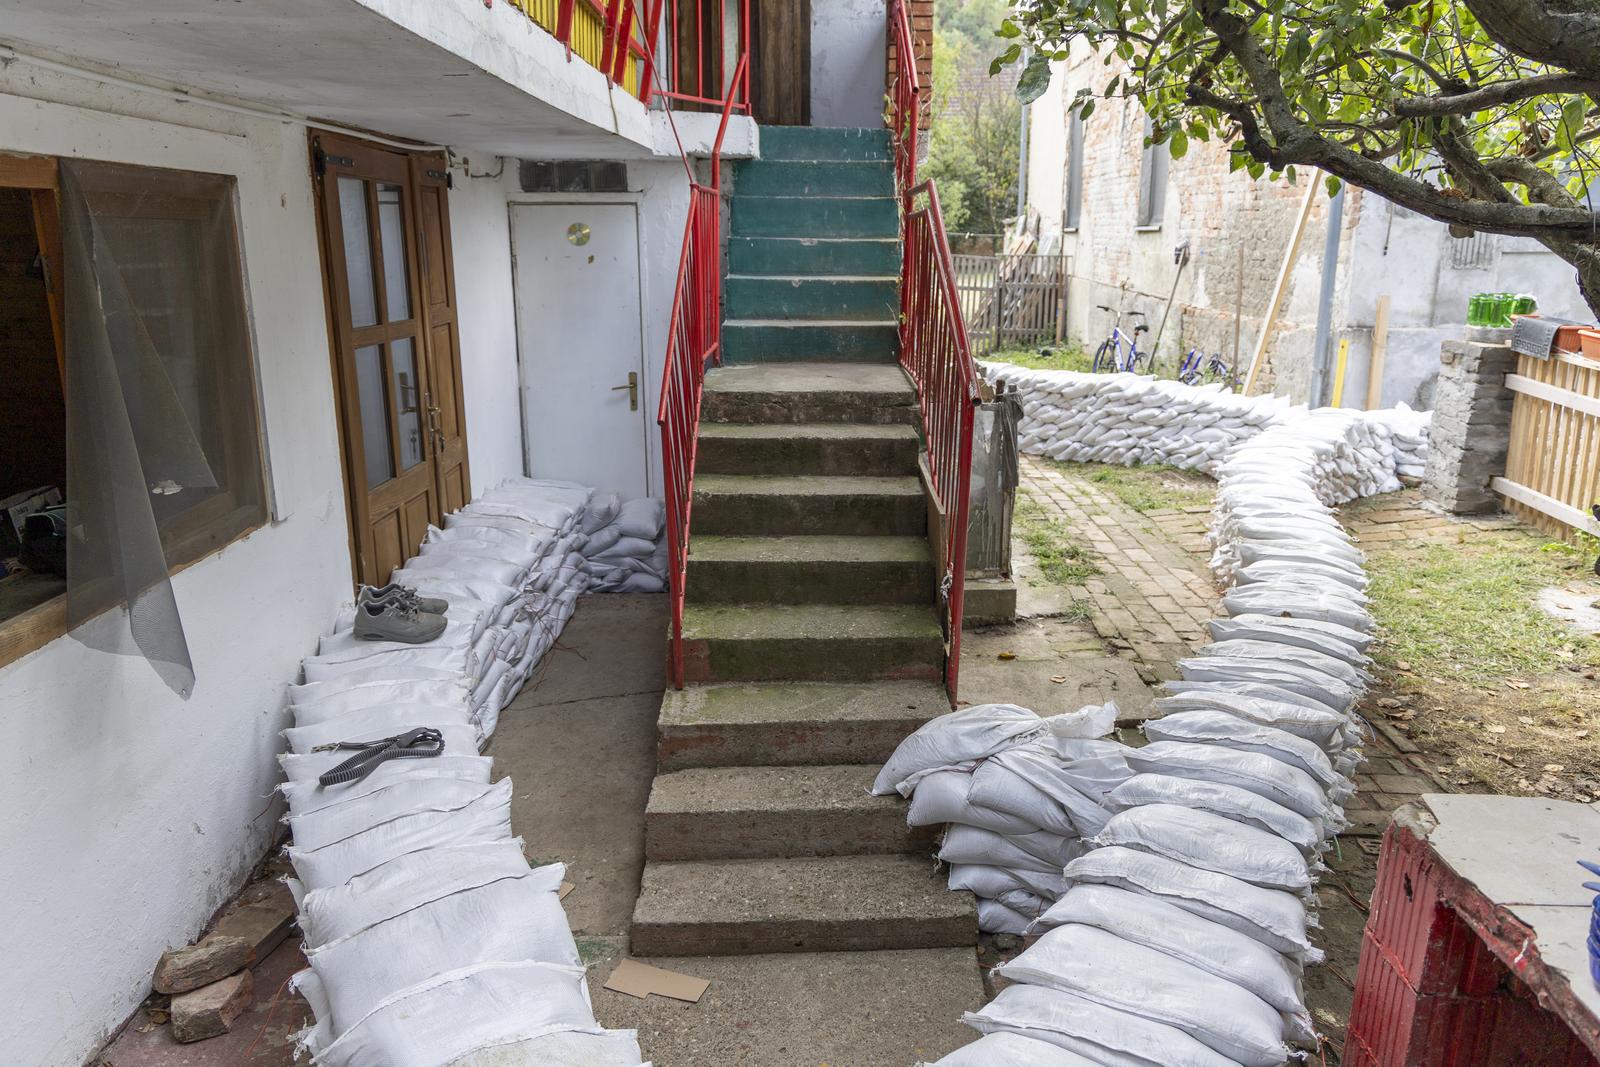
point(1552, 474)
point(1012, 301)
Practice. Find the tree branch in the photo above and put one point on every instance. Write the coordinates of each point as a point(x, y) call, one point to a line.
point(1563, 33)
point(1495, 94)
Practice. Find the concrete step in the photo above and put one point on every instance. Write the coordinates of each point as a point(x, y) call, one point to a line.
point(824, 142)
point(794, 723)
point(810, 255)
point(766, 177)
point(746, 341)
point(806, 448)
point(811, 570)
point(810, 642)
point(770, 812)
point(814, 216)
point(815, 904)
point(809, 392)
point(752, 505)
point(831, 298)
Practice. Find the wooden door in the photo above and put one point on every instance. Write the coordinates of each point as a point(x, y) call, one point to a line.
point(447, 419)
point(780, 62)
point(380, 345)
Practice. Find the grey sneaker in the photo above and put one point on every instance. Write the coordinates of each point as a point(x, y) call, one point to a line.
point(393, 620)
point(396, 591)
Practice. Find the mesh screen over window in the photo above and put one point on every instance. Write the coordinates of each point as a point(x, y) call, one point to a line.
point(163, 452)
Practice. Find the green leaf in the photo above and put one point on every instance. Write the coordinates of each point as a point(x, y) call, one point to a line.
point(1035, 78)
point(1008, 29)
point(1334, 185)
point(1178, 144)
point(1008, 56)
point(1086, 110)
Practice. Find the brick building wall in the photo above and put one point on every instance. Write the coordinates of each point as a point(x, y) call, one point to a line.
point(921, 14)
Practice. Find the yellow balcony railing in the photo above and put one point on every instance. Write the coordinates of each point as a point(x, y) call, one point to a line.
point(603, 34)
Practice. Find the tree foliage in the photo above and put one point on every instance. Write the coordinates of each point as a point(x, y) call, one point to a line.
point(1482, 114)
point(975, 140)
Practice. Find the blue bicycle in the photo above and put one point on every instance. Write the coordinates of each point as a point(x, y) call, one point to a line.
point(1120, 351)
point(1196, 368)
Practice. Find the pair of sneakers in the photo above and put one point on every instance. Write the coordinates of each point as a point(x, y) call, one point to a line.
point(396, 613)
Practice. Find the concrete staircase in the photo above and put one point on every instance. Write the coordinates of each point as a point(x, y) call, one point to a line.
point(811, 642)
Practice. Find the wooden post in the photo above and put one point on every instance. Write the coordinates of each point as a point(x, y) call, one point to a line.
point(1380, 350)
point(1338, 373)
point(1270, 319)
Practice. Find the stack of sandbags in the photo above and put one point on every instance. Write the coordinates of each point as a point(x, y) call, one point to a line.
point(429, 938)
point(1020, 795)
point(1408, 429)
point(626, 553)
point(1129, 418)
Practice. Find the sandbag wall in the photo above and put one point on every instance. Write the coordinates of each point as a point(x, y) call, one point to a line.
point(1130, 418)
point(1179, 935)
point(430, 939)
point(624, 550)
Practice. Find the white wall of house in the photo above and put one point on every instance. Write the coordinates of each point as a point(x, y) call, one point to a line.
point(131, 814)
point(849, 60)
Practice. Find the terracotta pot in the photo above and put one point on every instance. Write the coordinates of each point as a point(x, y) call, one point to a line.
point(1567, 337)
point(1590, 340)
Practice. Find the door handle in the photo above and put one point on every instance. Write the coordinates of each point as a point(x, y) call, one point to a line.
point(633, 390)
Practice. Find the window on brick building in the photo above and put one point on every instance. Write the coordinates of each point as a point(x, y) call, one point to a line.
point(1074, 205)
point(1152, 181)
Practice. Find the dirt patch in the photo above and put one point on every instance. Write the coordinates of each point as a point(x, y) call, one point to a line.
point(1155, 487)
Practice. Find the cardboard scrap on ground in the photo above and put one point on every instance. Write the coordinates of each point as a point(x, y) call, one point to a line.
point(640, 980)
point(566, 887)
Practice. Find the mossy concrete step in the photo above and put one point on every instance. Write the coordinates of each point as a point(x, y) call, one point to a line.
point(770, 812)
point(813, 904)
point(811, 255)
point(835, 298)
point(811, 570)
point(806, 448)
point(814, 216)
point(761, 505)
point(746, 341)
point(824, 142)
point(793, 177)
point(753, 724)
point(810, 642)
point(804, 392)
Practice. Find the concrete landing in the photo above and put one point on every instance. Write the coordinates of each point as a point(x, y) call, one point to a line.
point(843, 1009)
point(1052, 666)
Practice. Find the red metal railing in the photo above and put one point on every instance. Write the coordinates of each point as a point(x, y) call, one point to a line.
point(933, 338)
point(683, 60)
point(693, 342)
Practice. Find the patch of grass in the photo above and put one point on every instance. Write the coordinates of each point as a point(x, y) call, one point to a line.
point(1466, 611)
point(1155, 487)
point(1069, 355)
point(1062, 560)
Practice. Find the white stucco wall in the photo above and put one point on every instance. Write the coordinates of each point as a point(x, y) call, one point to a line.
point(849, 61)
point(130, 815)
point(1047, 153)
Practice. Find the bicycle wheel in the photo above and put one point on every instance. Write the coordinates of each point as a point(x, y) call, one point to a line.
point(1105, 358)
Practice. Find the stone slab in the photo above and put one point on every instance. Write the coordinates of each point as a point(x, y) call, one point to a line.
point(210, 1010)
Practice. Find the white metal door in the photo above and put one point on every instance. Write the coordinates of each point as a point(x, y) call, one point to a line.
point(580, 338)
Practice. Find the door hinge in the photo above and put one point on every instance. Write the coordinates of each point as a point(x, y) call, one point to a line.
point(320, 158)
point(442, 176)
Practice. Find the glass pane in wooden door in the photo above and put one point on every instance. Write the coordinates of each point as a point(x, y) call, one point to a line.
point(357, 252)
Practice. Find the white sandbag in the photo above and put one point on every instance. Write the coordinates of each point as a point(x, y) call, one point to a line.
point(626, 548)
point(457, 661)
point(1160, 925)
point(1262, 775)
point(1210, 842)
point(1318, 686)
point(464, 1011)
point(1321, 726)
point(1267, 599)
point(1302, 658)
point(600, 541)
point(988, 882)
point(1067, 812)
point(1220, 728)
point(1271, 570)
point(367, 724)
point(307, 795)
point(942, 797)
point(570, 1048)
point(1325, 637)
point(601, 511)
point(952, 739)
point(1005, 1049)
point(996, 918)
point(409, 796)
point(1100, 1034)
point(382, 674)
point(1259, 690)
point(1125, 976)
point(968, 844)
point(501, 920)
point(643, 518)
point(1228, 801)
point(438, 692)
point(1273, 917)
point(488, 818)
